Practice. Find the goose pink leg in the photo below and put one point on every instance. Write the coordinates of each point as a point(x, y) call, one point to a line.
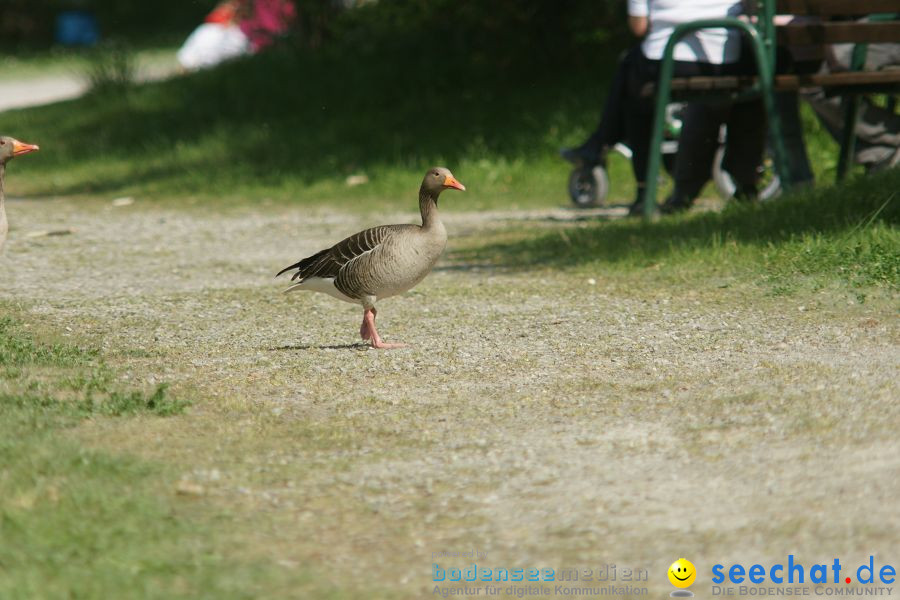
point(365, 330)
point(368, 332)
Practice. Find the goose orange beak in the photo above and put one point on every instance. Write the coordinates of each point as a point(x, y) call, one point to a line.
point(451, 182)
point(20, 148)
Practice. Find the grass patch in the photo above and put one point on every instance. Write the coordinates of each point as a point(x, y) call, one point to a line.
point(847, 233)
point(113, 69)
point(68, 381)
point(82, 523)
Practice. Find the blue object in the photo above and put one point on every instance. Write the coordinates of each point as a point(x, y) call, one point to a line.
point(77, 28)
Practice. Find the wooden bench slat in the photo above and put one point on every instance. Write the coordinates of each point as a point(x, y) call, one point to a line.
point(839, 33)
point(887, 78)
point(701, 84)
point(835, 7)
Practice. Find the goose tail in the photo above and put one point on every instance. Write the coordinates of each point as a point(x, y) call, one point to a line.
point(303, 265)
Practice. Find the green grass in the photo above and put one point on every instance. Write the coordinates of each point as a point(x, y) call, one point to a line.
point(293, 125)
point(847, 233)
point(62, 381)
point(76, 522)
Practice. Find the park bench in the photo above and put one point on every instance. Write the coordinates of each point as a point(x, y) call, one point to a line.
point(882, 25)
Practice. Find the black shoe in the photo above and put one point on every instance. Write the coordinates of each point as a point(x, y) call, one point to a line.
point(675, 204)
point(581, 156)
point(890, 162)
point(637, 207)
point(746, 194)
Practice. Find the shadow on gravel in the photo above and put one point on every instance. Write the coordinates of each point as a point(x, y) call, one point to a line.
point(358, 347)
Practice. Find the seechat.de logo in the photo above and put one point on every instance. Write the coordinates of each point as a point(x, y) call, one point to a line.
point(794, 572)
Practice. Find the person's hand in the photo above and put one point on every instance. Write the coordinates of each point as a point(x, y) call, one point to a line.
point(638, 25)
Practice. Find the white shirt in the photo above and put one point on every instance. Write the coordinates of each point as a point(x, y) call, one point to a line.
point(714, 46)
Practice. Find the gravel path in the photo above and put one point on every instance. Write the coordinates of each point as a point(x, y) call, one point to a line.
point(46, 89)
point(38, 91)
point(538, 418)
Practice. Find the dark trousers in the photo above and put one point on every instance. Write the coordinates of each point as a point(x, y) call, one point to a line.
point(699, 141)
point(628, 116)
point(696, 126)
point(611, 129)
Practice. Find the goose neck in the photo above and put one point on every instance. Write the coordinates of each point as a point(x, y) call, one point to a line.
point(428, 208)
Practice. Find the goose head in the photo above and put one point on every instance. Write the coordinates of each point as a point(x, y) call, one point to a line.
point(438, 179)
point(11, 148)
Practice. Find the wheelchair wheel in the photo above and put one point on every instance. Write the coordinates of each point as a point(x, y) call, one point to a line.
point(589, 186)
point(769, 182)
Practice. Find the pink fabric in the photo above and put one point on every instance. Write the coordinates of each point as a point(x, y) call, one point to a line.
point(270, 18)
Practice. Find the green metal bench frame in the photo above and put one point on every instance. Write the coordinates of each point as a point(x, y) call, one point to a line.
point(761, 37)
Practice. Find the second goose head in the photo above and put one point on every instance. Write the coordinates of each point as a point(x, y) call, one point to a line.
point(10, 148)
point(438, 179)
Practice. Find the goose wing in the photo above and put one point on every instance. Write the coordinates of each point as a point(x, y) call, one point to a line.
point(328, 263)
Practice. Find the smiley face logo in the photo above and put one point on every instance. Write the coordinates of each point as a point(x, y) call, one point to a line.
point(682, 573)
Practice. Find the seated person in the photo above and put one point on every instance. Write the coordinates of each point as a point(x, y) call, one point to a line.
point(268, 20)
point(878, 128)
point(235, 28)
point(219, 38)
point(628, 114)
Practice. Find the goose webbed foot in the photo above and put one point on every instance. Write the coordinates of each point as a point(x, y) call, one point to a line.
point(368, 332)
point(378, 344)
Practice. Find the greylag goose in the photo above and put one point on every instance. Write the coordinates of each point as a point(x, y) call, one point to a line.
point(9, 148)
point(382, 261)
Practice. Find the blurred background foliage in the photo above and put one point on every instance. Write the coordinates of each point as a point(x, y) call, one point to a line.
point(497, 32)
point(29, 24)
point(500, 33)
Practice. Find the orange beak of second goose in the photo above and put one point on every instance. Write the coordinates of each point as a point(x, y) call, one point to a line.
point(20, 148)
point(451, 182)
